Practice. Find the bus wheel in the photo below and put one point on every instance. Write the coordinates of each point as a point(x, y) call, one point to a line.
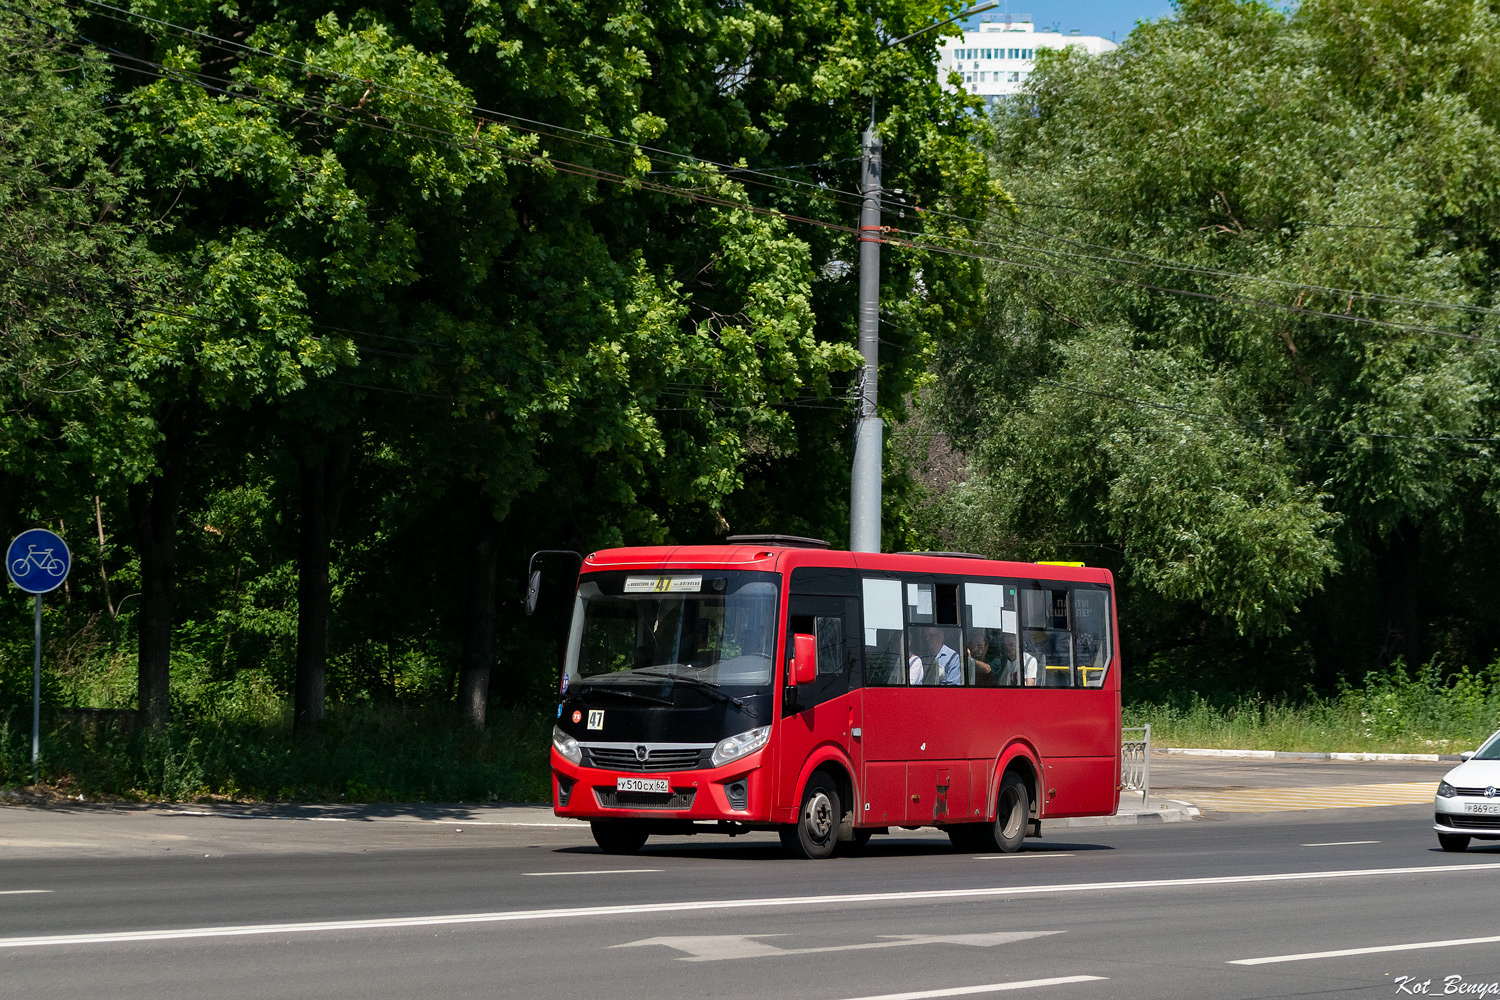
point(618, 837)
point(1012, 814)
point(816, 832)
point(1453, 841)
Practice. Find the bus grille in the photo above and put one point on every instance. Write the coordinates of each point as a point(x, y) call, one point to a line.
point(678, 798)
point(657, 759)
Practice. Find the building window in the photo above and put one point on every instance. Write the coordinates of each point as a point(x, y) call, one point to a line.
point(1015, 78)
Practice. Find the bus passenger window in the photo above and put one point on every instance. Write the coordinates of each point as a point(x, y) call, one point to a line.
point(885, 630)
point(991, 646)
point(934, 658)
point(920, 605)
point(1091, 635)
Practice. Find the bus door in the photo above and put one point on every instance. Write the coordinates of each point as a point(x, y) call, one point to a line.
point(918, 737)
point(826, 712)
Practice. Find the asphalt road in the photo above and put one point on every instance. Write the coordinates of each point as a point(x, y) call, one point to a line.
point(386, 904)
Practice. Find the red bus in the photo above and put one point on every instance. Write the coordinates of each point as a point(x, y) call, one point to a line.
point(774, 684)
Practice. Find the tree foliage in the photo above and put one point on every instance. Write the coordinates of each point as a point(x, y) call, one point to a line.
point(370, 301)
point(1241, 341)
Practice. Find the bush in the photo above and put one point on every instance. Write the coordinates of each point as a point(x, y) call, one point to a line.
point(1393, 712)
point(363, 753)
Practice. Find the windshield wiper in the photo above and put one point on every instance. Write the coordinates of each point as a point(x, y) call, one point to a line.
point(704, 686)
point(619, 692)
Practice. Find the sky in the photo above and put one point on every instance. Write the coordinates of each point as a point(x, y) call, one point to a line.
point(1106, 18)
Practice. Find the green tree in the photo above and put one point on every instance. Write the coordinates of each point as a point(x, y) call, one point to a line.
point(1240, 344)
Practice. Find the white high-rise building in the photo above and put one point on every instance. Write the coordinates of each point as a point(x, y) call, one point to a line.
point(996, 58)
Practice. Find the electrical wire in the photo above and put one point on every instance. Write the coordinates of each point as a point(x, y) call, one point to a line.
point(1281, 426)
point(558, 131)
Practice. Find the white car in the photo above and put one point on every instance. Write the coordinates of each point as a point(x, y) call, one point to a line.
point(1468, 799)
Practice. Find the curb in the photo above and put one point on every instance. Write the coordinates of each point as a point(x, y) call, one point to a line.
point(1158, 811)
point(1301, 755)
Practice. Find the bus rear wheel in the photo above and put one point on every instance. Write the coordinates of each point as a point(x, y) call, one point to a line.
point(1012, 814)
point(816, 832)
point(618, 836)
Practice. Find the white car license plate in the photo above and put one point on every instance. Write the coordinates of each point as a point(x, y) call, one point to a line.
point(642, 785)
point(1488, 808)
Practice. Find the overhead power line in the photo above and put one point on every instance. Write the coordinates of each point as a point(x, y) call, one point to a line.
point(1278, 425)
point(559, 131)
point(451, 138)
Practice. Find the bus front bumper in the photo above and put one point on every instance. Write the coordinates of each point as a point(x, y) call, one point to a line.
point(738, 792)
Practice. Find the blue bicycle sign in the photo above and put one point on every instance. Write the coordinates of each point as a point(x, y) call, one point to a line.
point(38, 561)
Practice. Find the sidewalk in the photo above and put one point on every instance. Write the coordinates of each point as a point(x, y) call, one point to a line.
point(1307, 755)
point(1133, 812)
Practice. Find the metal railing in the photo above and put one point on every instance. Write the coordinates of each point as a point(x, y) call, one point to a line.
point(1135, 760)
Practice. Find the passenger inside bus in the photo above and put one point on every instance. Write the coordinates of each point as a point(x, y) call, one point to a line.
point(941, 664)
point(1014, 669)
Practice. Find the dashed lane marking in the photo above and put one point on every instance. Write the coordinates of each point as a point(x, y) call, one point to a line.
point(23, 892)
point(600, 871)
point(1342, 843)
point(967, 991)
point(1375, 950)
point(1256, 800)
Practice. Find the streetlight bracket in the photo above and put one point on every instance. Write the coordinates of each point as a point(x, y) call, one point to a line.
point(970, 12)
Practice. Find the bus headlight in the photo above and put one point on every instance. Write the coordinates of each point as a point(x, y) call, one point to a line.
point(1446, 790)
point(567, 746)
point(735, 747)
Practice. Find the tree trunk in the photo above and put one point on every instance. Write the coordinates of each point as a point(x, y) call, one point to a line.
point(153, 512)
point(1400, 564)
point(322, 487)
point(479, 618)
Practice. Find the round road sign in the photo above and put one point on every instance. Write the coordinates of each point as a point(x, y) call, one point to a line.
point(38, 561)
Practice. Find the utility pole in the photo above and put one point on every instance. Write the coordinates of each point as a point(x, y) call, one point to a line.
point(869, 431)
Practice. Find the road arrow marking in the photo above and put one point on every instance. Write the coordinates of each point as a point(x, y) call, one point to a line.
point(719, 947)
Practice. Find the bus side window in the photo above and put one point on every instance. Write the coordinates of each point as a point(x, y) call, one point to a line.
point(991, 646)
point(885, 629)
point(1091, 635)
point(831, 656)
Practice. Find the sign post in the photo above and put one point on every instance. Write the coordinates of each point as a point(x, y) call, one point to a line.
point(37, 562)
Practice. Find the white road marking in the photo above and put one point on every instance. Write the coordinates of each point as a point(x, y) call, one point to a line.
point(600, 871)
point(1342, 843)
point(695, 906)
point(1027, 854)
point(23, 892)
point(718, 947)
point(965, 991)
point(1376, 950)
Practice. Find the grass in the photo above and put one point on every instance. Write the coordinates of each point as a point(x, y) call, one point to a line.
point(1391, 713)
point(232, 740)
point(363, 753)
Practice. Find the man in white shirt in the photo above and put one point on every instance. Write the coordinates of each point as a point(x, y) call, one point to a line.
point(1017, 672)
point(950, 666)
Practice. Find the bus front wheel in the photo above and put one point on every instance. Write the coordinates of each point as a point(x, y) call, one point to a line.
point(618, 837)
point(816, 832)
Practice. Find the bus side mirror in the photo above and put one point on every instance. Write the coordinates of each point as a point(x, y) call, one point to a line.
point(533, 590)
point(804, 659)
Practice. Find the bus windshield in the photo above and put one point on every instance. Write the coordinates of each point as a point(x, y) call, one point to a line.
point(712, 627)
